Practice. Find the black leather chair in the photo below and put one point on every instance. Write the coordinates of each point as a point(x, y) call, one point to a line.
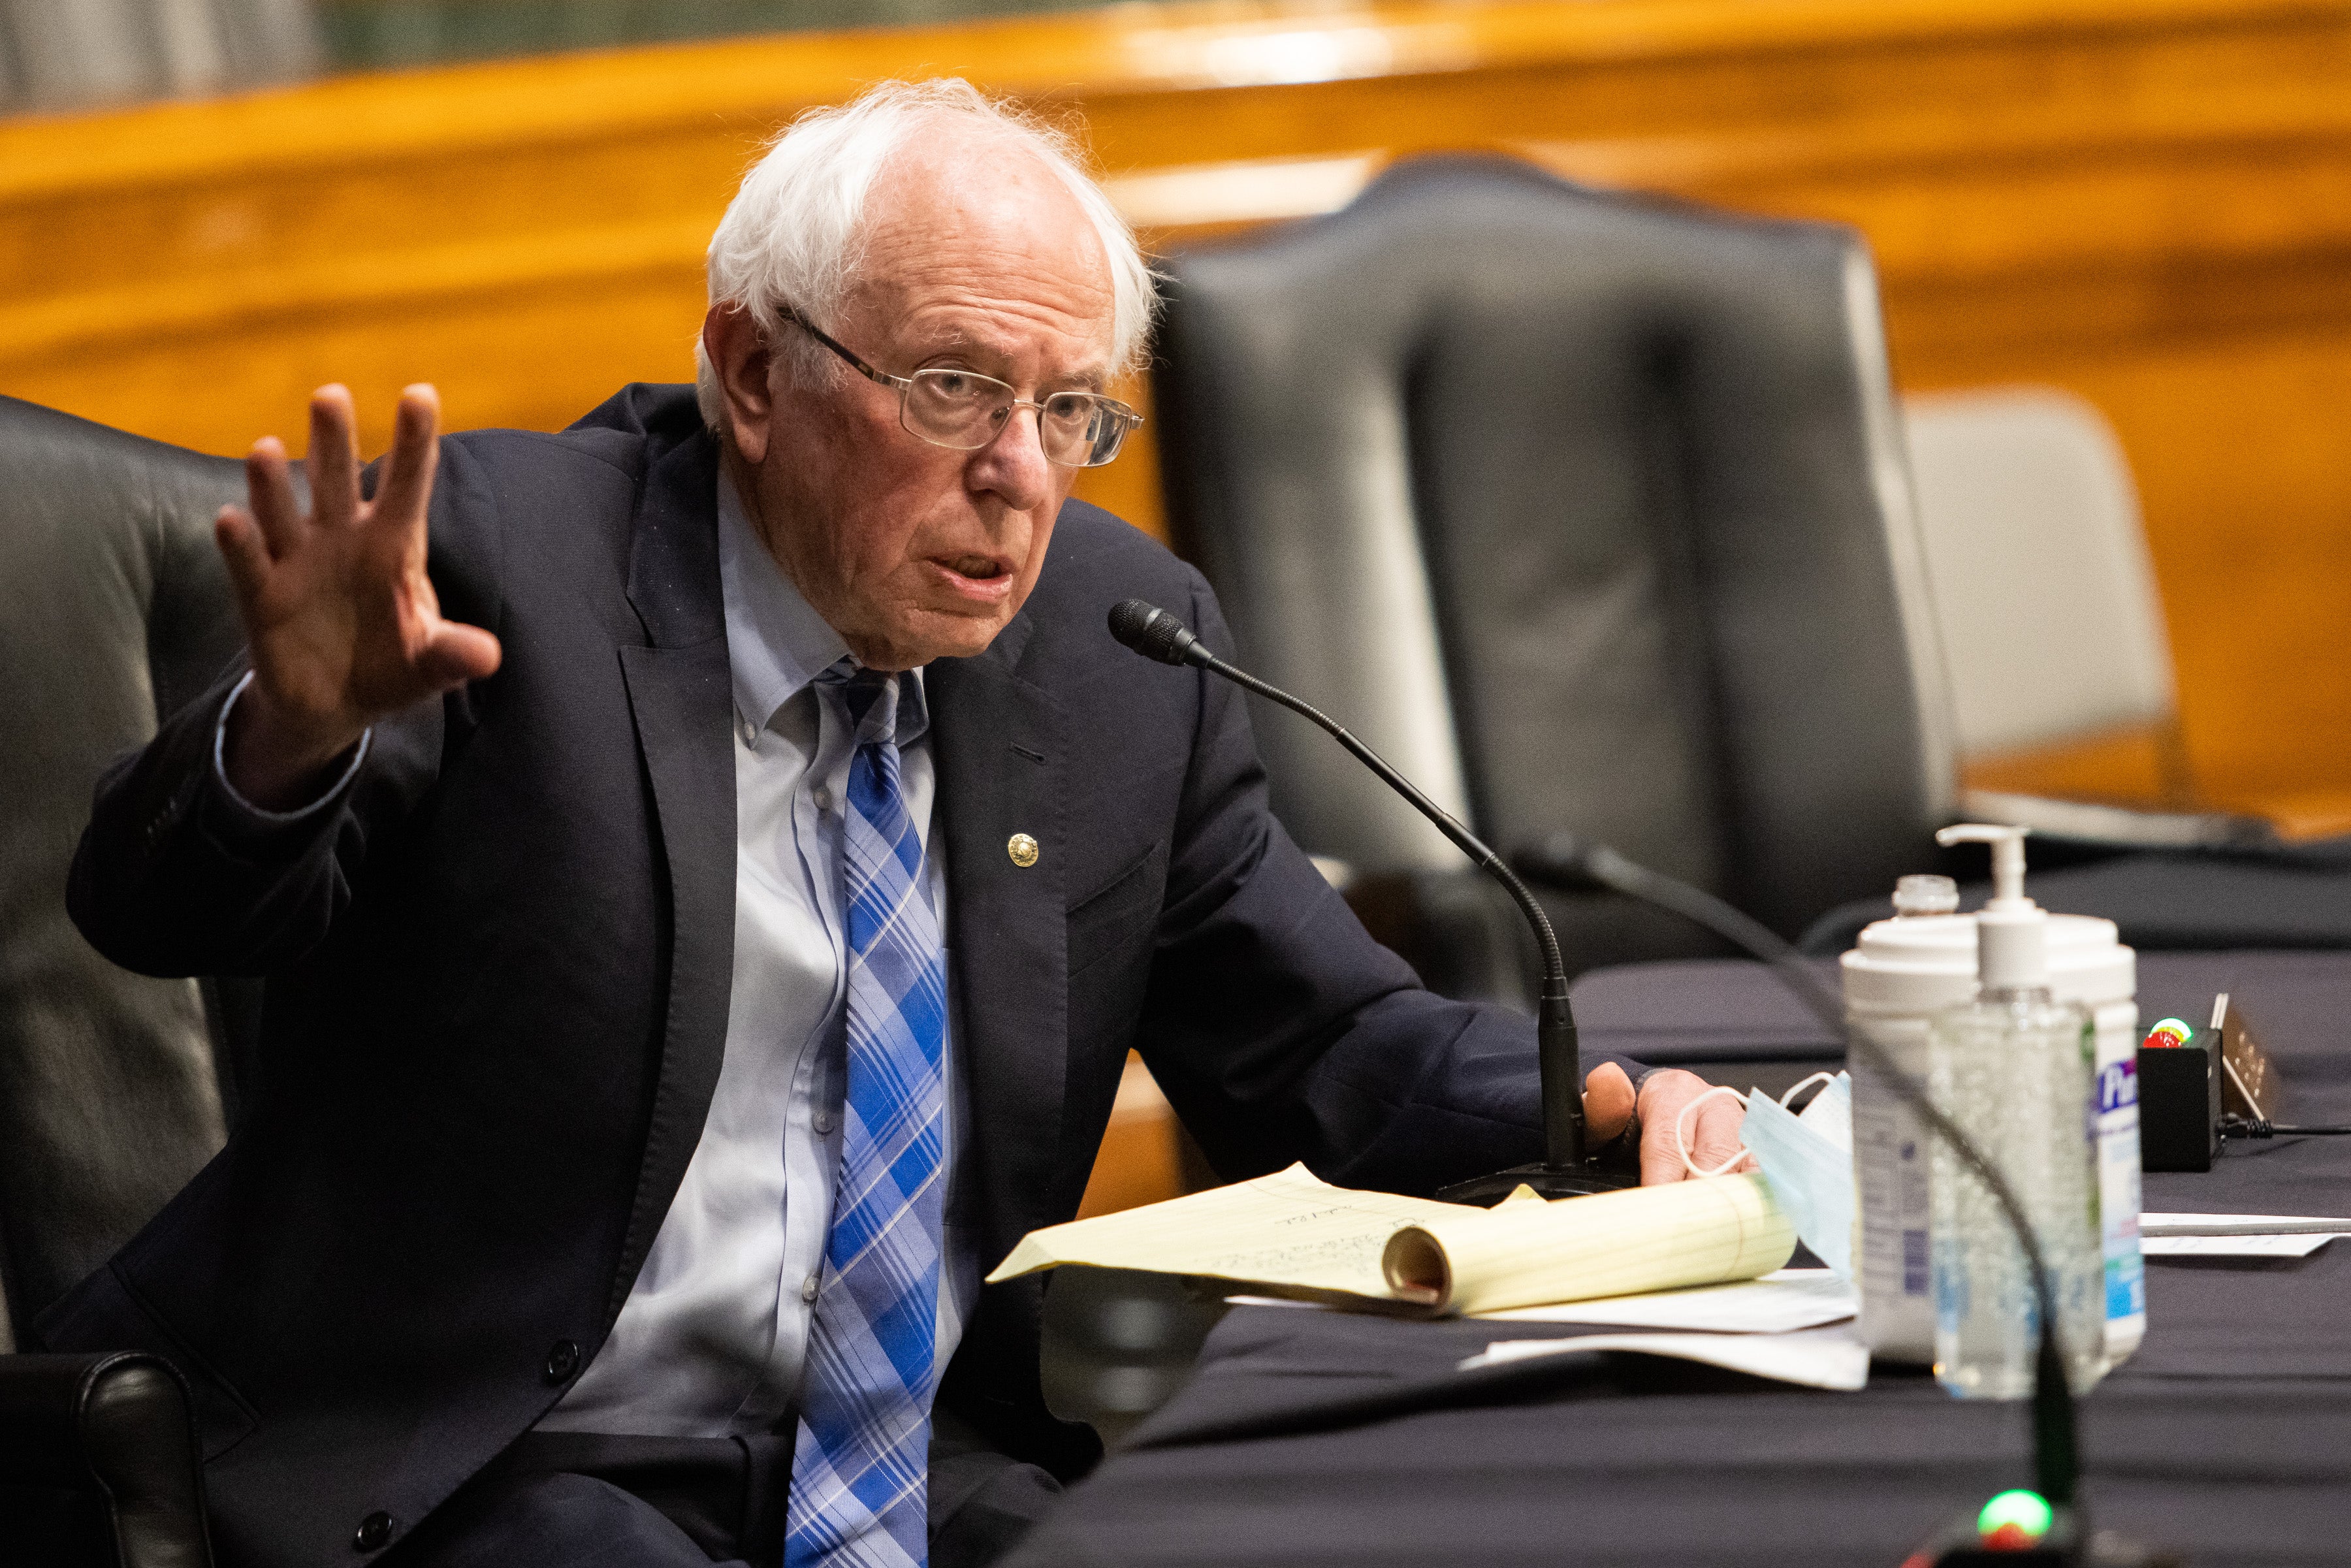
point(114, 1088)
point(1590, 513)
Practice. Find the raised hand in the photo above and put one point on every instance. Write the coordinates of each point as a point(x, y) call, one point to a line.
point(341, 622)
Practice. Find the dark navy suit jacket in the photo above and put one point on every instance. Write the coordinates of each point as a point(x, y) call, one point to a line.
point(499, 974)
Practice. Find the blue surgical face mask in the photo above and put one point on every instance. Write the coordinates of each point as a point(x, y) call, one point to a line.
point(1807, 1160)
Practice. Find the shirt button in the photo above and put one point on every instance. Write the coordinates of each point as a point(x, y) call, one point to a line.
point(374, 1532)
point(750, 735)
point(824, 1121)
point(562, 1360)
point(807, 1289)
point(823, 799)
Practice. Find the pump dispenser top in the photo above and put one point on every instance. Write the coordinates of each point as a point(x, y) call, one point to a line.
point(2011, 930)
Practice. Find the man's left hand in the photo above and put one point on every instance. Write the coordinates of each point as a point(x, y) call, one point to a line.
point(1713, 1133)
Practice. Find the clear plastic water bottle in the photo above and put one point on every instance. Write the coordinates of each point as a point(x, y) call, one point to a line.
point(2015, 1069)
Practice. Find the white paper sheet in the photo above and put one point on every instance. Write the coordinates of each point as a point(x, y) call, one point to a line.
point(1779, 1302)
point(2289, 1246)
point(2242, 1225)
point(1814, 1358)
point(2237, 1235)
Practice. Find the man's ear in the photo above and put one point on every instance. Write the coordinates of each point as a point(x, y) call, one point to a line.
point(737, 352)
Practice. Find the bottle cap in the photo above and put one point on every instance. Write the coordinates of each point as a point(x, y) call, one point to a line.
point(1920, 895)
point(2012, 949)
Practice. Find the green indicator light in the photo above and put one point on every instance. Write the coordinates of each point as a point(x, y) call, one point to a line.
point(2027, 1511)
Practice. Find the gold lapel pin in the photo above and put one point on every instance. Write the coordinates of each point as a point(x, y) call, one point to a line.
point(1022, 849)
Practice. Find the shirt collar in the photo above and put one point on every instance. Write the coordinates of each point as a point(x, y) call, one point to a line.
point(776, 642)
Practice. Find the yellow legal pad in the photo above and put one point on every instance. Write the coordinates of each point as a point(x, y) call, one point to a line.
point(1291, 1235)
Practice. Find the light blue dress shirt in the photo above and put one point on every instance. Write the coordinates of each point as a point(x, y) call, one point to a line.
point(711, 1340)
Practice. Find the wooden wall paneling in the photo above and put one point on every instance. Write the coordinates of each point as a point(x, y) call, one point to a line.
point(1141, 1158)
point(2141, 200)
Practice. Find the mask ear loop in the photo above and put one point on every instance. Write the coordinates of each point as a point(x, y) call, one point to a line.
point(1681, 1134)
point(1804, 1083)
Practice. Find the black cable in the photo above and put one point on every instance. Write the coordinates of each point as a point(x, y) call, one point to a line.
point(2256, 1127)
point(1564, 859)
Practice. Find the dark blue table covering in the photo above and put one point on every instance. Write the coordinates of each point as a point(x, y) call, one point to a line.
point(1312, 1438)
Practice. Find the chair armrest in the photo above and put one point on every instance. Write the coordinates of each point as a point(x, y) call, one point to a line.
point(1459, 932)
point(2119, 828)
point(116, 1428)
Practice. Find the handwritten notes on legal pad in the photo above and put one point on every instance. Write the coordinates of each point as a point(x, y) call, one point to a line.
point(1287, 1231)
point(1296, 1236)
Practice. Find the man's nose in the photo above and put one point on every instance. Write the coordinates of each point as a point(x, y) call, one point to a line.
point(1013, 464)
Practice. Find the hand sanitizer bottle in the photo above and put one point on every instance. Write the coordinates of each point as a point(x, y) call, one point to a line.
point(2015, 1069)
point(1901, 974)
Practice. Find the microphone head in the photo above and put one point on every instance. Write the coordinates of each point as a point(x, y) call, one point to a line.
point(1151, 632)
point(1561, 859)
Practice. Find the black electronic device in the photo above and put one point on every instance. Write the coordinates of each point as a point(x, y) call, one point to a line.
point(2199, 1088)
point(2179, 1104)
point(1567, 1170)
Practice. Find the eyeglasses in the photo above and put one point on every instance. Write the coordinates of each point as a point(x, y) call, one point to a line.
point(966, 411)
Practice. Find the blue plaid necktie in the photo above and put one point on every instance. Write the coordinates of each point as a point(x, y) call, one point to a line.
point(861, 1463)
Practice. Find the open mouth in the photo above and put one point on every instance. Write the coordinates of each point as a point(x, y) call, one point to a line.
point(977, 567)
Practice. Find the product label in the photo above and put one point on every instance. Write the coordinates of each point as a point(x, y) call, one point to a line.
point(2118, 1194)
point(1892, 1158)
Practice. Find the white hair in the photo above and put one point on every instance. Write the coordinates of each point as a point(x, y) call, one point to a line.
point(795, 232)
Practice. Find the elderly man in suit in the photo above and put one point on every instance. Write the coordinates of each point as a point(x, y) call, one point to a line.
point(710, 866)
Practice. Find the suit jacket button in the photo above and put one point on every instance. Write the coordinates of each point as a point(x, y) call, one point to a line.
point(374, 1532)
point(562, 1361)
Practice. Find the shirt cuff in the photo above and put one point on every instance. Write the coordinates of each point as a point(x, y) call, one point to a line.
point(262, 816)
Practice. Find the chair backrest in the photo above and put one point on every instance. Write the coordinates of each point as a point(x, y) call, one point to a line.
point(113, 607)
point(1588, 512)
point(2043, 589)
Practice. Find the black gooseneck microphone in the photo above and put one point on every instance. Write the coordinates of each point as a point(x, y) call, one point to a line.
point(1563, 859)
point(1566, 1169)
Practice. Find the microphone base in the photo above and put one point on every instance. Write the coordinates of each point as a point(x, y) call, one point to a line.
point(2067, 1544)
point(1548, 1181)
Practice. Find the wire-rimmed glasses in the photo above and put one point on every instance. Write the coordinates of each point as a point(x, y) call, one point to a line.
point(965, 410)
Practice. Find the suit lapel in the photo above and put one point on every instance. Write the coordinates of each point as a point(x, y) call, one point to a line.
point(680, 694)
point(1000, 747)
